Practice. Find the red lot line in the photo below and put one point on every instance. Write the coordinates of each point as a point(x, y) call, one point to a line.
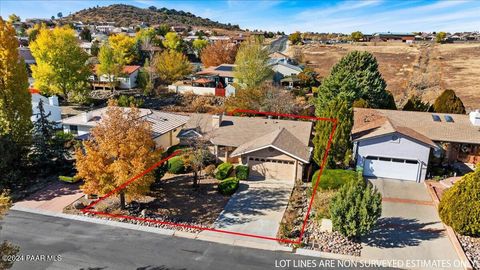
point(238, 111)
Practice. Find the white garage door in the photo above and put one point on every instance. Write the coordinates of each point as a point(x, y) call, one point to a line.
point(262, 168)
point(404, 169)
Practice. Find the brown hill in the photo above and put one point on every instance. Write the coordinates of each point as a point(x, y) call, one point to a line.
point(126, 15)
point(423, 69)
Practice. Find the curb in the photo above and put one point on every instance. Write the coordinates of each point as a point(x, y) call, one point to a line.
point(450, 233)
point(112, 223)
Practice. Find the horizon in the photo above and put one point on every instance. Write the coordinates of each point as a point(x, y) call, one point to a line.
point(367, 16)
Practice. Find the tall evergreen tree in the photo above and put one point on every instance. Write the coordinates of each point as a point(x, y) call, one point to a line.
point(357, 75)
point(354, 77)
point(448, 102)
point(48, 149)
point(15, 100)
point(340, 149)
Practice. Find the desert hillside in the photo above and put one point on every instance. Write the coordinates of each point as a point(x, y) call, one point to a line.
point(126, 15)
point(425, 69)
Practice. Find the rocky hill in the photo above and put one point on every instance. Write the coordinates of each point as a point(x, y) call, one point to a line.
point(127, 15)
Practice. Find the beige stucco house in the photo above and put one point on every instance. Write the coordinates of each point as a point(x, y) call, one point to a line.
point(271, 148)
point(165, 126)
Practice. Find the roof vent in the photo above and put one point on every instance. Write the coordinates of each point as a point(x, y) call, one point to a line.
point(475, 117)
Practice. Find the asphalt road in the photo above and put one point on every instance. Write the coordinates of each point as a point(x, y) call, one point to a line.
point(279, 45)
point(83, 245)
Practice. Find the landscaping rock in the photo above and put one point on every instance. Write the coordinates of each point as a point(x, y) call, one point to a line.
point(471, 246)
point(326, 225)
point(78, 205)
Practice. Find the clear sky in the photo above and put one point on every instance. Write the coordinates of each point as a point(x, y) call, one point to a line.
point(318, 16)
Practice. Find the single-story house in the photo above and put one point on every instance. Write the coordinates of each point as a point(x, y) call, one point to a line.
point(127, 80)
point(271, 148)
point(50, 106)
point(283, 68)
point(165, 126)
point(216, 80)
point(398, 144)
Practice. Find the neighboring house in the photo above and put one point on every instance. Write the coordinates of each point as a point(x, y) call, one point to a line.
point(87, 47)
point(210, 81)
point(165, 126)
point(397, 144)
point(27, 56)
point(50, 106)
point(393, 37)
point(127, 80)
point(282, 68)
point(271, 148)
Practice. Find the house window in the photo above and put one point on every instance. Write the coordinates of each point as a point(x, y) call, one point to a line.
point(74, 130)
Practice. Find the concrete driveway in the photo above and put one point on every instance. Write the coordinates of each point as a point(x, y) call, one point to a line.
point(410, 228)
point(256, 208)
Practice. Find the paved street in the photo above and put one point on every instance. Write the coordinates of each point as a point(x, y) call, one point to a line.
point(279, 45)
point(85, 245)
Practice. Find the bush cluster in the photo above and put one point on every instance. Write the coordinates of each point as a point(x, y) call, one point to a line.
point(460, 205)
point(228, 186)
point(223, 170)
point(333, 179)
point(176, 165)
point(355, 209)
point(241, 172)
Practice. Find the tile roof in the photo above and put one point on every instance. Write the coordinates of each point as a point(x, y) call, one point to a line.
point(126, 69)
point(280, 139)
point(418, 125)
point(237, 131)
point(162, 122)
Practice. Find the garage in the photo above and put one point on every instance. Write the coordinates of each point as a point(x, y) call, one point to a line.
point(404, 169)
point(264, 168)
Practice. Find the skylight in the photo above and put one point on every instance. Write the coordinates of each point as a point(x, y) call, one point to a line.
point(436, 118)
point(449, 119)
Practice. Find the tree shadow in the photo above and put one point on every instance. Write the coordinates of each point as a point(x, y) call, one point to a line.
point(54, 190)
point(250, 202)
point(394, 232)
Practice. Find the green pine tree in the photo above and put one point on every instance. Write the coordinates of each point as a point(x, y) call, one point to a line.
point(48, 149)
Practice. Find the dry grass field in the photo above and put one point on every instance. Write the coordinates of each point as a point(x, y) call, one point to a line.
point(424, 69)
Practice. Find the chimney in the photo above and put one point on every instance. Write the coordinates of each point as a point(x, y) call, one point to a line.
point(53, 101)
point(475, 117)
point(87, 116)
point(216, 120)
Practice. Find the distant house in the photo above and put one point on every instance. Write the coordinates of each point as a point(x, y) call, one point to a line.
point(50, 106)
point(282, 69)
point(398, 144)
point(210, 81)
point(392, 37)
point(127, 80)
point(271, 148)
point(165, 126)
point(87, 47)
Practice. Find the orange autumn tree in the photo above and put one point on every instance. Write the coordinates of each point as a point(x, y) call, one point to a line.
point(220, 52)
point(120, 147)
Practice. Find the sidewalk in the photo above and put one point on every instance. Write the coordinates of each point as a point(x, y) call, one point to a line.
point(52, 198)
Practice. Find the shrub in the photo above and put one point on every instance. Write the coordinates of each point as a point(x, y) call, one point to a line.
point(333, 178)
point(210, 170)
point(68, 179)
point(223, 170)
point(355, 209)
point(460, 205)
point(228, 186)
point(321, 203)
point(241, 172)
point(175, 165)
